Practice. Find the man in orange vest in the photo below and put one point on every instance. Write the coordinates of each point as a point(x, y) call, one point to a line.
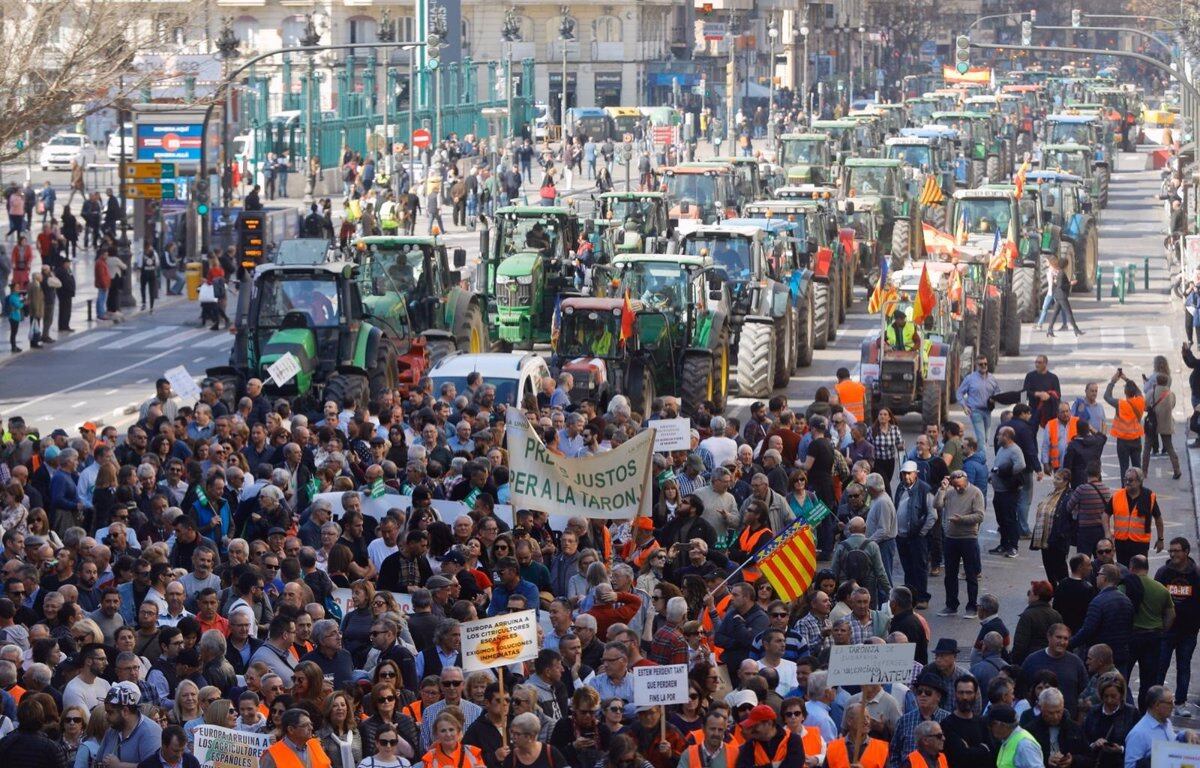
point(1055, 436)
point(298, 748)
point(1131, 509)
point(851, 394)
point(716, 750)
point(1127, 423)
point(930, 741)
point(767, 744)
point(857, 747)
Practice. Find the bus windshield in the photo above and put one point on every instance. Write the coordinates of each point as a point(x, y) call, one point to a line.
point(595, 128)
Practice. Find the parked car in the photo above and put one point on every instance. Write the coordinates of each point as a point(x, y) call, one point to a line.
point(64, 148)
point(514, 375)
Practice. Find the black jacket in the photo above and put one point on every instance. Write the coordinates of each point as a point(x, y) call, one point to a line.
point(155, 761)
point(1026, 435)
point(1071, 741)
point(32, 750)
point(910, 625)
point(235, 658)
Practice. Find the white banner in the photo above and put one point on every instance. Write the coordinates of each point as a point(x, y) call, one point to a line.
point(614, 485)
point(284, 369)
point(657, 685)
point(937, 368)
point(499, 641)
point(183, 384)
point(217, 747)
point(1173, 754)
point(672, 434)
point(863, 664)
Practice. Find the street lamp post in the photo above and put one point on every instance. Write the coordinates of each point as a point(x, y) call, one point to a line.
point(731, 85)
point(387, 34)
point(862, 58)
point(807, 98)
point(511, 33)
point(437, 32)
point(566, 33)
point(310, 39)
point(227, 49)
point(772, 34)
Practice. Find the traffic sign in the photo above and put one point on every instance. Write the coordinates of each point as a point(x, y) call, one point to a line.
point(421, 138)
point(143, 171)
point(143, 191)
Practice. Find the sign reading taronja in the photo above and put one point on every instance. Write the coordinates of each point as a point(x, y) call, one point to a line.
point(864, 664)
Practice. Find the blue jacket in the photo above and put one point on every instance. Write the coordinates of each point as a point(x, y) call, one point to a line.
point(1109, 620)
point(501, 593)
point(977, 471)
point(64, 494)
point(129, 603)
point(1192, 302)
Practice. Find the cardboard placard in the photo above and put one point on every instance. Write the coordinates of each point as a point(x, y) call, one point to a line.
point(671, 434)
point(183, 384)
point(864, 664)
point(499, 641)
point(663, 685)
point(284, 369)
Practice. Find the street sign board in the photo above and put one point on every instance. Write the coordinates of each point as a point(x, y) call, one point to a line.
point(421, 138)
point(143, 171)
point(136, 190)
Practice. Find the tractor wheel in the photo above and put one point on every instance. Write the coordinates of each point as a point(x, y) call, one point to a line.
point(935, 215)
point(695, 382)
point(640, 389)
point(821, 317)
point(992, 168)
point(438, 349)
point(978, 170)
point(845, 291)
point(901, 243)
point(989, 335)
point(932, 397)
point(804, 331)
point(836, 315)
point(785, 348)
point(1025, 293)
point(1086, 281)
point(474, 338)
point(756, 360)
point(232, 389)
point(383, 374)
point(1011, 334)
point(1104, 178)
point(343, 386)
point(720, 368)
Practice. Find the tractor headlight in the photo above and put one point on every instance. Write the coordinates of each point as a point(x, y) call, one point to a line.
point(525, 279)
point(502, 280)
point(908, 377)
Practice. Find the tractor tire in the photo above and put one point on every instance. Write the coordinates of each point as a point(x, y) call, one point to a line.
point(992, 168)
point(1025, 294)
point(695, 382)
point(1086, 282)
point(232, 389)
point(438, 349)
point(720, 369)
point(836, 315)
point(935, 216)
point(978, 170)
point(933, 401)
point(990, 327)
point(821, 318)
point(1105, 177)
point(1011, 334)
point(382, 375)
point(347, 385)
point(757, 360)
point(785, 348)
point(805, 331)
point(901, 243)
point(640, 389)
point(475, 337)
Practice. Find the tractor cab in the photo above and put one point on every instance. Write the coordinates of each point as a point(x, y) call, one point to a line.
point(920, 109)
point(701, 192)
point(842, 136)
point(531, 262)
point(632, 222)
point(748, 183)
point(806, 157)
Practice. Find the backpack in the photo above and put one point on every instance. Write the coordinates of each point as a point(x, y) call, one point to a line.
point(856, 565)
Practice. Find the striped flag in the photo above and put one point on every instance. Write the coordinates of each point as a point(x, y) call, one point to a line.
point(931, 193)
point(937, 242)
point(926, 299)
point(789, 561)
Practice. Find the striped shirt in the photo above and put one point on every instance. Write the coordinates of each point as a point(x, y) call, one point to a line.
point(1088, 504)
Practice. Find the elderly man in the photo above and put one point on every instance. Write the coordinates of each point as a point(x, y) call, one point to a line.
point(1154, 726)
point(778, 513)
point(720, 507)
point(328, 652)
point(929, 693)
point(930, 743)
point(743, 621)
point(881, 522)
point(1017, 748)
point(299, 747)
point(961, 505)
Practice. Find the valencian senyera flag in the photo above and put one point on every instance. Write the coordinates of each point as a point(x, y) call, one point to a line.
point(789, 561)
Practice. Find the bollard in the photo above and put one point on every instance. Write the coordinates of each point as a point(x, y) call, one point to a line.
point(1124, 278)
point(1099, 281)
point(1130, 278)
point(1145, 273)
point(1118, 280)
point(89, 310)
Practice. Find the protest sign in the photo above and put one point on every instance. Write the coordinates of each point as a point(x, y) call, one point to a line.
point(499, 641)
point(672, 434)
point(378, 507)
point(612, 485)
point(1174, 754)
point(284, 369)
point(217, 747)
point(863, 664)
point(665, 685)
point(183, 384)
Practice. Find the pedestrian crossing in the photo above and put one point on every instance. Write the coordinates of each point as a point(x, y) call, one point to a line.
point(157, 338)
point(1120, 341)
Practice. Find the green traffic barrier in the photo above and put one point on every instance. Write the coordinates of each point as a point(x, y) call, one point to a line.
point(1145, 273)
point(1118, 283)
point(1130, 278)
point(1099, 282)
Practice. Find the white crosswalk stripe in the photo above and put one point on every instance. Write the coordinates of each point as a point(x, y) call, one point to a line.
point(85, 340)
point(179, 339)
point(1112, 338)
point(214, 341)
point(129, 340)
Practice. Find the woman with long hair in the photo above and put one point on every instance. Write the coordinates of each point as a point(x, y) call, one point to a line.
point(476, 684)
point(307, 683)
point(577, 585)
point(651, 572)
point(888, 442)
point(340, 738)
point(87, 753)
point(1052, 528)
point(281, 704)
point(39, 525)
point(690, 716)
point(104, 496)
point(448, 750)
point(613, 710)
point(221, 713)
point(187, 703)
point(659, 595)
point(668, 502)
point(338, 565)
point(623, 753)
point(1063, 283)
point(356, 624)
point(384, 707)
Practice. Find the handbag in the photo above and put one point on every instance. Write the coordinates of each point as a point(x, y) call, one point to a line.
point(208, 294)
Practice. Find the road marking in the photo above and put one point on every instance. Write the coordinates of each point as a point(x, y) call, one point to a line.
point(86, 340)
point(217, 340)
point(135, 338)
point(80, 404)
point(1160, 338)
point(175, 341)
point(197, 359)
point(112, 392)
point(144, 380)
point(1112, 337)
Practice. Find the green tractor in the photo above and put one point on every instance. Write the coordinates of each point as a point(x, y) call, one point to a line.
point(1078, 160)
point(882, 178)
point(530, 263)
point(749, 181)
point(683, 322)
point(806, 158)
point(924, 156)
point(631, 222)
point(1071, 213)
point(920, 110)
point(410, 283)
point(843, 136)
point(1091, 130)
point(315, 313)
point(981, 141)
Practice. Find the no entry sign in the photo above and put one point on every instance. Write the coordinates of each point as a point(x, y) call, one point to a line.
point(421, 138)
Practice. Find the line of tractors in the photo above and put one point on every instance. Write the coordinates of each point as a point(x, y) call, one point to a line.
point(734, 272)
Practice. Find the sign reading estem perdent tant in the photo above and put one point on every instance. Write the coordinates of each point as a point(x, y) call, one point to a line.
point(499, 641)
point(663, 685)
point(218, 747)
point(864, 664)
point(614, 485)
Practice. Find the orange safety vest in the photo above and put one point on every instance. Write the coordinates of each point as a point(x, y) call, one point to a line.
point(413, 710)
point(1128, 525)
point(284, 757)
point(638, 560)
point(874, 756)
point(706, 621)
point(16, 692)
point(466, 756)
point(852, 396)
point(1127, 424)
point(781, 751)
point(814, 744)
point(694, 761)
point(916, 760)
point(1052, 435)
point(748, 542)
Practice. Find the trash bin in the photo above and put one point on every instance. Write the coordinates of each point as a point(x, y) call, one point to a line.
point(193, 280)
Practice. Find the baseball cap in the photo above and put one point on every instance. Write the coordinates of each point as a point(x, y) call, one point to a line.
point(760, 714)
point(644, 523)
point(124, 694)
point(277, 531)
point(51, 452)
point(60, 432)
point(909, 466)
point(453, 556)
point(87, 426)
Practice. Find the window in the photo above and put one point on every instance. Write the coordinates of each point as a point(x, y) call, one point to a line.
point(362, 29)
point(244, 28)
point(293, 30)
point(606, 29)
point(465, 37)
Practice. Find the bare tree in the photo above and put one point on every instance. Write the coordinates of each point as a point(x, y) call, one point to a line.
point(62, 60)
point(908, 24)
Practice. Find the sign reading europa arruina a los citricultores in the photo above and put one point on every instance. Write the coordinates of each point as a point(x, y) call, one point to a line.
point(615, 484)
point(499, 641)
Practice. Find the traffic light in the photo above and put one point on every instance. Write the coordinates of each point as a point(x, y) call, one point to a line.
point(1076, 18)
point(200, 191)
point(962, 54)
point(1026, 33)
point(433, 51)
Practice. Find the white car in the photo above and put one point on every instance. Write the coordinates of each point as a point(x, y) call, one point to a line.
point(64, 148)
point(541, 121)
point(513, 375)
point(116, 139)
